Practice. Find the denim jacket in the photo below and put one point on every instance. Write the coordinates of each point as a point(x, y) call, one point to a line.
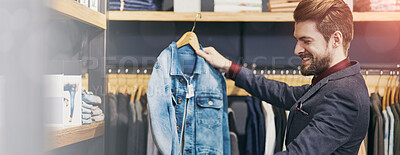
point(201, 112)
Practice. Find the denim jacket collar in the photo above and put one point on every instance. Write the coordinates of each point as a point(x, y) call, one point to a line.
point(175, 68)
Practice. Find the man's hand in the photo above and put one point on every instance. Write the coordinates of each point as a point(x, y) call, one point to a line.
point(215, 59)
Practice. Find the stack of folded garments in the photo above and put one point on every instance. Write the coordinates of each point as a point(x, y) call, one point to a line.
point(95, 113)
point(86, 113)
point(283, 5)
point(115, 5)
point(387, 5)
point(237, 5)
point(135, 5)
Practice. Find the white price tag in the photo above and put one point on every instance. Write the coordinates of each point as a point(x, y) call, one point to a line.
point(191, 91)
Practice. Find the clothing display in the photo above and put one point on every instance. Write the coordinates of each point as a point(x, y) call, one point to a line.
point(396, 148)
point(122, 124)
point(391, 130)
point(96, 111)
point(112, 119)
point(86, 116)
point(383, 133)
point(90, 98)
point(252, 137)
point(183, 107)
point(270, 126)
point(280, 128)
point(86, 110)
point(86, 121)
point(386, 123)
point(261, 125)
point(375, 131)
point(86, 106)
point(98, 118)
point(135, 5)
point(234, 143)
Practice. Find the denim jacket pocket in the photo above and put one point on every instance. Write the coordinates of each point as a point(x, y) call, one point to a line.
point(209, 122)
point(212, 101)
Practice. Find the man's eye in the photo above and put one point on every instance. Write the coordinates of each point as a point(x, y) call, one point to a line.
point(307, 41)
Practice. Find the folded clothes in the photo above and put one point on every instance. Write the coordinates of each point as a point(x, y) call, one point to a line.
point(96, 111)
point(98, 118)
point(86, 116)
point(87, 121)
point(86, 110)
point(85, 105)
point(90, 98)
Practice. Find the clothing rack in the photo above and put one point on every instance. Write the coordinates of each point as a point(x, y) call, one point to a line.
point(366, 69)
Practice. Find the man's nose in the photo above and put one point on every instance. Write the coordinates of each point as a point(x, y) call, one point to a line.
point(298, 49)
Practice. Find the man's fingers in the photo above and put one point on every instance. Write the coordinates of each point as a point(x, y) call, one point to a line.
point(201, 53)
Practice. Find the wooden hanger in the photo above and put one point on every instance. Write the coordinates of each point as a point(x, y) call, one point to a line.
point(396, 87)
point(393, 90)
point(377, 85)
point(190, 38)
point(386, 94)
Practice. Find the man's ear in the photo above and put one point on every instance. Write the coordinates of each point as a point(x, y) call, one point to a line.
point(337, 39)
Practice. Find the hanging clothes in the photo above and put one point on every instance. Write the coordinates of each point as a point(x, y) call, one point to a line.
point(396, 147)
point(375, 131)
point(112, 119)
point(270, 127)
point(252, 136)
point(184, 108)
point(261, 124)
point(122, 124)
point(386, 123)
point(280, 127)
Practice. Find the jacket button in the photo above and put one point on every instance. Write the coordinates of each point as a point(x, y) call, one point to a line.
point(177, 128)
point(181, 80)
point(179, 101)
point(210, 102)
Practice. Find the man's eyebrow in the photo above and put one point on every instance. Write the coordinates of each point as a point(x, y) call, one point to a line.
point(304, 37)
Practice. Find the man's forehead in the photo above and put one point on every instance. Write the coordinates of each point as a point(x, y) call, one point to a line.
point(305, 29)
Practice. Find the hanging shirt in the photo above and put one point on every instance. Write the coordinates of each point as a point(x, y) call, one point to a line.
point(391, 130)
point(195, 104)
point(270, 135)
point(386, 132)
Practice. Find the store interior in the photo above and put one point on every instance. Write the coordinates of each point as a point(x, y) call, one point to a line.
point(112, 54)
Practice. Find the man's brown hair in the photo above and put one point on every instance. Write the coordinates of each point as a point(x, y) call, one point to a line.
point(330, 16)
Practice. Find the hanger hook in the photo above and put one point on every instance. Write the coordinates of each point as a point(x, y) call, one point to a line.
point(195, 19)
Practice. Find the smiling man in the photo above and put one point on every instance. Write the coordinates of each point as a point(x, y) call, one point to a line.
point(331, 115)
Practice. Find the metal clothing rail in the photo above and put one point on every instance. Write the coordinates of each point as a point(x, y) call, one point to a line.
point(366, 69)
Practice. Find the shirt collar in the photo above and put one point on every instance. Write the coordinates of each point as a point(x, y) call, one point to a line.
point(175, 65)
point(339, 66)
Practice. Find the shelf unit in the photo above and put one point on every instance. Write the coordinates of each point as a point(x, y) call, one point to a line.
point(73, 135)
point(94, 81)
point(235, 17)
point(79, 12)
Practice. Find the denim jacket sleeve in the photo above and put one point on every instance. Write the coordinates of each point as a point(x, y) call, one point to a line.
point(162, 113)
point(329, 128)
point(276, 93)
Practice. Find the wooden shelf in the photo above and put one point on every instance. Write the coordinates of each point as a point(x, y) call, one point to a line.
point(376, 16)
point(235, 17)
point(205, 16)
point(73, 135)
point(79, 12)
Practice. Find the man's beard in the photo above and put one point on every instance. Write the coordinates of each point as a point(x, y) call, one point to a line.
point(317, 66)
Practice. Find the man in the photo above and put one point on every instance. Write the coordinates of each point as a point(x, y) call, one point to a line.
point(331, 115)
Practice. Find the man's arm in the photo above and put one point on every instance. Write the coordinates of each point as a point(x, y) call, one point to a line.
point(277, 93)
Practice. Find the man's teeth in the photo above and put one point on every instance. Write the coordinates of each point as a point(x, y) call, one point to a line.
point(305, 59)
